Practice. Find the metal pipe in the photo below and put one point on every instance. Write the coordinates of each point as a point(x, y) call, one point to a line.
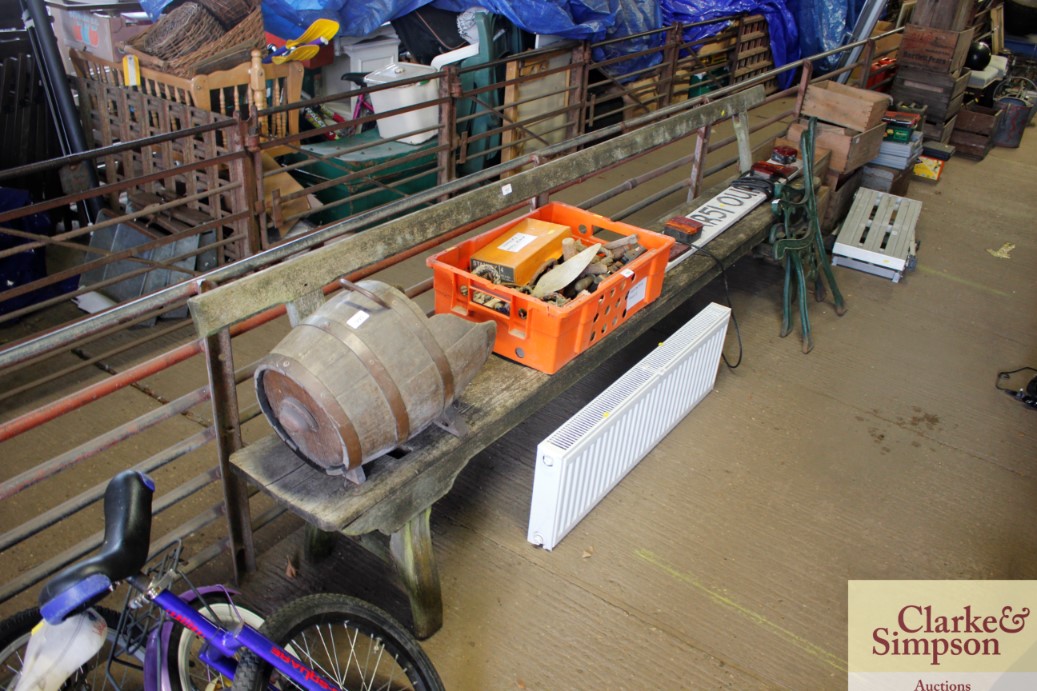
point(76, 552)
point(59, 95)
point(72, 457)
point(70, 334)
point(95, 493)
point(39, 416)
point(152, 335)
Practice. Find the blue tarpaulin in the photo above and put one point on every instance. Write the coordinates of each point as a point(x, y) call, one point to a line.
point(824, 25)
point(780, 22)
point(593, 20)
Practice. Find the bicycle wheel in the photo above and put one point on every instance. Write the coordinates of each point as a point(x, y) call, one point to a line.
point(14, 639)
point(183, 670)
point(349, 641)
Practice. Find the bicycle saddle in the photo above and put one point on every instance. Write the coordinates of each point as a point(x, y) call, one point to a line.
point(355, 77)
point(127, 536)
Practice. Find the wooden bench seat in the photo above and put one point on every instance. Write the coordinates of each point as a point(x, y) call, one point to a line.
point(397, 497)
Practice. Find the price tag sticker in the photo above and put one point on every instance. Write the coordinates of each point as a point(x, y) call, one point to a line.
point(357, 319)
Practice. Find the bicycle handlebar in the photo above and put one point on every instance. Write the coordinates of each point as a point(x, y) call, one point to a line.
point(127, 536)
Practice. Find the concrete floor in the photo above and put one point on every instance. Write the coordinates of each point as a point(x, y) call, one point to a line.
point(722, 560)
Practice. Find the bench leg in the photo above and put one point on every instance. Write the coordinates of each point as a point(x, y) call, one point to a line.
point(411, 549)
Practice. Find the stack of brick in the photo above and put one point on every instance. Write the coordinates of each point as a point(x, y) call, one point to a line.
point(931, 63)
point(850, 126)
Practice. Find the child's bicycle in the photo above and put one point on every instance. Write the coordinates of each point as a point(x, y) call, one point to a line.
point(201, 640)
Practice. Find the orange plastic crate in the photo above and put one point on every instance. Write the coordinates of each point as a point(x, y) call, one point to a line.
point(543, 335)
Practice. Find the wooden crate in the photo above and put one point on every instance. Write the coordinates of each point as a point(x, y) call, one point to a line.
point(936, 50)
point(940, 92)
point(953, 15)
point(842, 189)
point(886, 179)
point(858, 109)
point(939, 131)
point(978, 119)
point(850, 149)
point(973, 134)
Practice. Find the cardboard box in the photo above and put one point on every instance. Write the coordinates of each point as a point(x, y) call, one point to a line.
point(850, 149)
point(858, 109)
point(935, 50)
point(98, 32)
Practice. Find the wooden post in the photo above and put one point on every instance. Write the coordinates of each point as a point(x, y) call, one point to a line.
point(411, 550)
point(698, 162)
point(740, 121)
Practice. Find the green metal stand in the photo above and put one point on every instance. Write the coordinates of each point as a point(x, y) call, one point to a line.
point(798, 245)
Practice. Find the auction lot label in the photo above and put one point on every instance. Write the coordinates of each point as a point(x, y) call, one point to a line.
point(942, 635)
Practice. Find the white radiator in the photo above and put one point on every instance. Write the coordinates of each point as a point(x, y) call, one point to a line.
point(587, 456)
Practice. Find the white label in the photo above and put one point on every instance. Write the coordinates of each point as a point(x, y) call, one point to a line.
point(516, 242)
point(357, 319)
point(637, 293)
point(506, 190)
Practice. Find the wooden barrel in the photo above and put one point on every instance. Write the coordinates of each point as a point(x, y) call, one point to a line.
point(364, 373)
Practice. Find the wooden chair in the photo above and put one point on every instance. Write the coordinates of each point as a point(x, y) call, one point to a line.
point(224, 91)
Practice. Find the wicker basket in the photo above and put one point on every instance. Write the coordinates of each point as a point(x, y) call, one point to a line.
point(245, 36)
point(183, 30)
point(229, 12)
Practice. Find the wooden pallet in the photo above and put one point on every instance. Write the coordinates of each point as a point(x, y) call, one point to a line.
point(878, 235)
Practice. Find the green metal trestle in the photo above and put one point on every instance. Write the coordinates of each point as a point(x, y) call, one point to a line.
point(797, 243)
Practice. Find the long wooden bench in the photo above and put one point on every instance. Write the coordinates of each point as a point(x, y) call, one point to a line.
point(397, 497)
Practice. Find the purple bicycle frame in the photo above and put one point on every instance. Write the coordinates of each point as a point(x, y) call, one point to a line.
point(223, 644)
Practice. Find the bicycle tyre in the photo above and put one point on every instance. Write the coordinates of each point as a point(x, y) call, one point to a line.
point(14, 638)
point(183, 671)
point(370, 632)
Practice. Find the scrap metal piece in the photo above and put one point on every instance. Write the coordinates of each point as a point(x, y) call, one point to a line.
point(565, 273)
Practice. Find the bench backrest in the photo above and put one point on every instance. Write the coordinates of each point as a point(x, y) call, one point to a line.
point(306, 274)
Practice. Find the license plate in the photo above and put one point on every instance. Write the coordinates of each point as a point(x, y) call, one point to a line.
point(720, 213)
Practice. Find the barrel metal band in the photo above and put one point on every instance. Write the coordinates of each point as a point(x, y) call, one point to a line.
point(375, 368)
point(420, 329)
point(296, 370)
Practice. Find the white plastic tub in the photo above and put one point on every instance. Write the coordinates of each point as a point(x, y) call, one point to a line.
point(403, 96)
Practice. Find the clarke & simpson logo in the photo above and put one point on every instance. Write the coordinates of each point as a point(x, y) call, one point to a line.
point(919, 631)
point(942, 635)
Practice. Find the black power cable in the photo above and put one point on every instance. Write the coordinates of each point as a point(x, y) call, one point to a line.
point(727, 294)
point(1026, 395)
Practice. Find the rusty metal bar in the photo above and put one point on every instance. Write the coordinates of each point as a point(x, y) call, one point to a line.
point(134, 374)
point(95, 493)
point(70, 555)
point(219, 362)
point(150, 209)
point(152, 335)
point(37, 417)
point(98, 444)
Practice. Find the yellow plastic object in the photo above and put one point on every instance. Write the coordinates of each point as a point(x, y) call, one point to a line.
point(322, 29)
point(518, 255)
point(299, 53)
